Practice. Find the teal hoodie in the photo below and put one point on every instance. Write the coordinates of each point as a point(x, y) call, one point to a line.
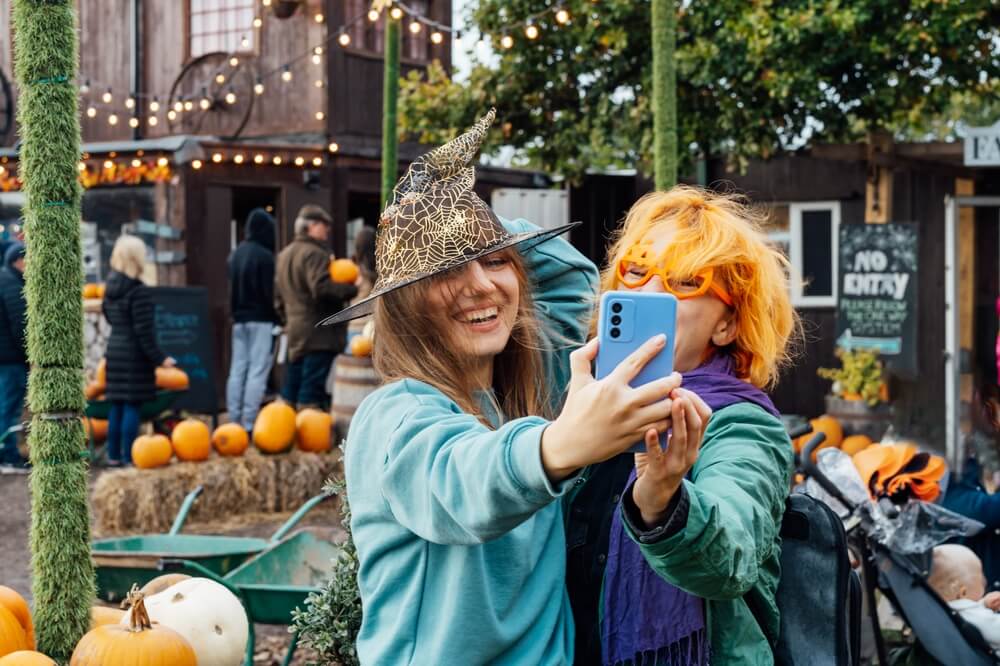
point(460, 543)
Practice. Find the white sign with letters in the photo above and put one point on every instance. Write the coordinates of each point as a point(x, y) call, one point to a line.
point(982, 146)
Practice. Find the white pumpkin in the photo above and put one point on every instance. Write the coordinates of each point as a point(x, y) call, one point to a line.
point(208, 615)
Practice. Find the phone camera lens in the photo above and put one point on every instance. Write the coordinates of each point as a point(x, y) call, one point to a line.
point(616, 320)
point(615, 332)
point(616, 307)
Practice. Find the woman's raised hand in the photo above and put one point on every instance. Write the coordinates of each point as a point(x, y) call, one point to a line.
point(602, 418)
point(660, 473)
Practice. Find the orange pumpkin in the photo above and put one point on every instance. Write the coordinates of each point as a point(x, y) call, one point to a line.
point(97, 429)
point(26, 658)
point(312, 428)
point(230, 439)
point(149, 451)
point(343, 270)
point(93, 391)
point(137, 643)
point(855, 443)
point(172, 379)
point(192, 440)
point(12, 636)
point(101, 377)
point(101, 615)
point(16, 604)
point(361, 346)
point(100, 290)
point(90, 290)
point(274, 429)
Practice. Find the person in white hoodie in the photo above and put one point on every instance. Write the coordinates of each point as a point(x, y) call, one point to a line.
point(957, 577)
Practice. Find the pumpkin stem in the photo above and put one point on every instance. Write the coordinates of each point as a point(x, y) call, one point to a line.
point(138, 618)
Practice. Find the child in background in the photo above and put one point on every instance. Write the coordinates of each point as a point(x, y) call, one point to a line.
point(957, 577)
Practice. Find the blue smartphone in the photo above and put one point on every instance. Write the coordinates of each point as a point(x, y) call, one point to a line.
point(626, 320)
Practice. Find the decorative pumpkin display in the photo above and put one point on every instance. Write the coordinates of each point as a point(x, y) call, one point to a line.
point(230, 439)
point(192, 440)
point(312, 429)
point(16, 604)
point(160, 583)
point(12, 636)
point(26, 658)
point(172, 379)
point(100, 290)
point(207, 615)
point(855, 443)
point(344, 271)
point(101, 376)
point(133, 641)
point(361, 346)
point(97, 429)
point(274, 429)
point(149, 451)
point(102, 615)
point(93, 390)
point(91, 290)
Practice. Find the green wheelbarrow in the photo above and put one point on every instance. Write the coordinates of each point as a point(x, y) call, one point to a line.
point(273, 583)
point(120, 562)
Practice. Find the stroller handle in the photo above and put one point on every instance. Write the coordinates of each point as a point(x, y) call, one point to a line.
point(812, 470)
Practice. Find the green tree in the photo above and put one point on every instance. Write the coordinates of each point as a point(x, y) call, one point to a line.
point(753, 77)
point(45, 59)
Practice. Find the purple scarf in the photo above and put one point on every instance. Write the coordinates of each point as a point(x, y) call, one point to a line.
point(644, 615)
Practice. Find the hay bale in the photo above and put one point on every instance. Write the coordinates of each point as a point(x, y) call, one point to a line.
point(131, 501)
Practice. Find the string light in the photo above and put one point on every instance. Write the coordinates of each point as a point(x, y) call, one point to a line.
point(189, 105)
point(82, 166)
point(317, 59)
point(507, 41)
point(317, 161)
point(320, 115)
point(396, 13)
point(258, 87)
point(299, 161)
point(318, 50)
point(179, 106)
point(276, 160)
point(171, 115)
point(562, 17)
point(333, 147)
point(266, 3)
point(163, 161)
point(130, 103)
point(319, 18)
point(108, 164)
point(238, 158)
point(136, 163)
point(91, 112)
point(154, 106)
point(230, 98)
point(286, 75)
point(318, 83)
point(245, 42)
point(85, 88)
point(258, 159)
point(437, 37)
point(216, 157)
point(220, 78)
point(344, 39)
point(415, 27)
point(153, 121)
point(257, 22)
point(133, 122)
point(531, 32)
point(373, 16)
point(234, 61)
point(205, 103)
point(107, 97)
point(113, 119)
point(195, 164)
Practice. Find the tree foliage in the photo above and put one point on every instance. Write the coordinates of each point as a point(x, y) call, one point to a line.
point(753, 77)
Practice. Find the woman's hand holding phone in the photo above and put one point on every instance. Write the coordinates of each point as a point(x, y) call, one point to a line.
point(660, 473)
point(602, 418)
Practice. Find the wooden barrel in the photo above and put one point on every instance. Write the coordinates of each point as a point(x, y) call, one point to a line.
point(857, 418)
point(354, 379)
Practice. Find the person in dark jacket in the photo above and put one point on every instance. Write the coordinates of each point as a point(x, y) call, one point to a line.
point(305, 294)
point(132, 355)
point(251, 299)
point(13, 358)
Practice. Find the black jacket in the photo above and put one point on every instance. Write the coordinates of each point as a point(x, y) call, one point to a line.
point(13, 310)
point(251, 271)
point(132, 354)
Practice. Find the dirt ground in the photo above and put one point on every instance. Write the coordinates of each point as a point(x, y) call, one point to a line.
point(324, 522)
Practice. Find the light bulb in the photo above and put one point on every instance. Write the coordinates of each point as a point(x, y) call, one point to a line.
point(91, 112)
point(234, 61)
point(320, 115)
point(437, 37)
point(286, 75)
point(318, 50)
point(136, 163)
point(189, 105)
point(195, 164)
point(130, 103)
point(133, 122)
point(344, 39)
point(163, 161)
point(171, 115)
point(319, 18)
point(258, 159)
point(216, 157)
point(562, 16)
point(415, 27)
point(318, 83)
point(82, 166)
point(266, 3)
point(238, 158)
point(205, 103)
point(113, 119)
point(317, 161)
point(108, 164)
point(258, 88)
point(85, 88)
point(333, 147)
point(154, 106)
point(372, 15)
point(507, 41)
point(276, 160)
point(220, 78)
point(299, 161)
point(153, 120)
point(230, 98)
point(317, 59)
point(179, 106)
point(531, 32)
point(245, 43)
point(107, 97)
point(396, 13)
point(257, 22)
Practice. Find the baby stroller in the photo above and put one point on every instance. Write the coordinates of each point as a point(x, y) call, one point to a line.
point(894, 544)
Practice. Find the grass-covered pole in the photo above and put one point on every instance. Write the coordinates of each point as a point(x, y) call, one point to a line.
point(390, 104)
point(664, 38)
point(45, 60)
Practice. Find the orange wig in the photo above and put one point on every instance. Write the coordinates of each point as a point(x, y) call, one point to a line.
point(721, 232)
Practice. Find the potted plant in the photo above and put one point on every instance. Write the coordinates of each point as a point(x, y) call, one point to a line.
point(859, 396)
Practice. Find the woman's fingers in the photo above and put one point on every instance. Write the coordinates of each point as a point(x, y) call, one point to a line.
point(657, 390)
point(679, 434)
point(580, 363)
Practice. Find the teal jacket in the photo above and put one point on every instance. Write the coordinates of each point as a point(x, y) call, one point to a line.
point(460, 543)
point(730, 548)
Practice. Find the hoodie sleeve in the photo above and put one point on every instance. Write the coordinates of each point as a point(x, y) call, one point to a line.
point(322, 288)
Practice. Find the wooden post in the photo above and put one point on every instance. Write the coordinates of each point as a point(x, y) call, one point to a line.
point(878, 191)
point(664, 38)
point(966, 244)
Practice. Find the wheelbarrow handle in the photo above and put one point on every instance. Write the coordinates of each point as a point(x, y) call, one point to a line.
point(812, 469)
point(297, 516)
point(184, 510)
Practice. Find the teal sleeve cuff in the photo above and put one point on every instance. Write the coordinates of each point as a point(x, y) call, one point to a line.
point(524, 461)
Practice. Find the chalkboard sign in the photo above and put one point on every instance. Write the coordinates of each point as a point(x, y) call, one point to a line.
point(183, 330)
point(877, 304)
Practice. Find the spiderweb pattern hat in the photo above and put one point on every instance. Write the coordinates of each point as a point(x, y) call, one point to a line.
point(435, 222)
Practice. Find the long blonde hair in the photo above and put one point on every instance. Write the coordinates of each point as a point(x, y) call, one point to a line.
point(129, 256)
point(410, 345)
point(722, 232)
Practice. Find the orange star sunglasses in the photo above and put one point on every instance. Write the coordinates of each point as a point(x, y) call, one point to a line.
point(636, 268)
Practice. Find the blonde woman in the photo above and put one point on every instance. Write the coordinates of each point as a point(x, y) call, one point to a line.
point(132, 355)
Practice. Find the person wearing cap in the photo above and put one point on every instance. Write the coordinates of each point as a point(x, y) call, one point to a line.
point(251, 300)
point(303, 293)
point(457, 464)
point(13, 353)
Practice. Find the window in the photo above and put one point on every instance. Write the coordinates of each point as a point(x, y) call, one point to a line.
point(221, 25)
point(808, 234)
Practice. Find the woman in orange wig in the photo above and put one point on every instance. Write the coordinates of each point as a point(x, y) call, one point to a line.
point(674, 556)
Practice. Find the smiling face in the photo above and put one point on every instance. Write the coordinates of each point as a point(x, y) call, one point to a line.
point(476, 306)
point(702, 322)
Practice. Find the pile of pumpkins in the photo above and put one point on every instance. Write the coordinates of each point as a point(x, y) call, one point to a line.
point(174, 620)
point(276, 429)
point(93, 290)
point(834, 431)
point(168, 379)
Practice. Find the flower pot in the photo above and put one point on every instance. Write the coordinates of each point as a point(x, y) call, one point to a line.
point(859, 418)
